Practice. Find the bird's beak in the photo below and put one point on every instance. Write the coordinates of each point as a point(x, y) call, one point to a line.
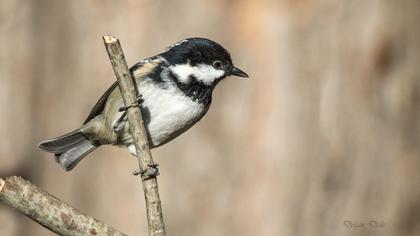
point(238, 72)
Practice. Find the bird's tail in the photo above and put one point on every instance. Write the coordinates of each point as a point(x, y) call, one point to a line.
point(69, 149)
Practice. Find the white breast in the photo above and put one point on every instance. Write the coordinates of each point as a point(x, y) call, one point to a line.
point(171, 112)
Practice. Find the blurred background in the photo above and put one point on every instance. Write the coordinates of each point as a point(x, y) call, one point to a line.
point(326, 131)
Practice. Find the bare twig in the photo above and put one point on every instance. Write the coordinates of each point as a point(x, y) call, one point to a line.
point(147, 166)
point(48, 210)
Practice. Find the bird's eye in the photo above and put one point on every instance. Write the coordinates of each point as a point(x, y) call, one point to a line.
point(217, 64)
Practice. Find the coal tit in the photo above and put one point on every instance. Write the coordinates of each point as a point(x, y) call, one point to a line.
point(176, 90)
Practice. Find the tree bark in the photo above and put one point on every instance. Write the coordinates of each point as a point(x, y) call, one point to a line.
point(147, 167)
point(49, 211)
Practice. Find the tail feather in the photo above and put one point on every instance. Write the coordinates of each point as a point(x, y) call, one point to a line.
point(69, 149)
point(62, 143)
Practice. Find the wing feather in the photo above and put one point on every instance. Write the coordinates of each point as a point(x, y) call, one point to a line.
point(100, 105)
point(140, 69)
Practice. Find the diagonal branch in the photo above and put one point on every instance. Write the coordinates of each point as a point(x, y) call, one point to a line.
point(49, 211)
point(147, 166)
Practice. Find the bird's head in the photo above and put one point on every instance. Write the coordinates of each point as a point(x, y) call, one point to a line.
point(200, 60)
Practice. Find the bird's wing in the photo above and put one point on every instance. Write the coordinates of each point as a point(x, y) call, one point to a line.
point(99, 106)
point(140, 69)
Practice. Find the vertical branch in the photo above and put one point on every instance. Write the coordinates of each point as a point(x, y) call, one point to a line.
point(147, 167)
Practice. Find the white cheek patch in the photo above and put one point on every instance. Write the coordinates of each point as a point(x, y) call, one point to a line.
point(202, 72)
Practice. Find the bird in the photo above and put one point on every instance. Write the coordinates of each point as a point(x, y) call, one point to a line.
point(175, 93)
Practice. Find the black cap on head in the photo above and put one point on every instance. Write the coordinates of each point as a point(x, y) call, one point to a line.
point(202, 51)
point(196, 51)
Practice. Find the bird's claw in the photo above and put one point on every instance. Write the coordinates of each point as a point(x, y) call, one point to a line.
point(117, 126)
point(151, 171)
point(136, 172)
point(139, 100)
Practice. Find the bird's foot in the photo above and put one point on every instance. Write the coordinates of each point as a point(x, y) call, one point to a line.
point(151, 171)
point(117, 126)
point(139, 100)
point(136, 172)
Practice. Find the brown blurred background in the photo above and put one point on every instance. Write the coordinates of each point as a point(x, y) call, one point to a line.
point(327, 130)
